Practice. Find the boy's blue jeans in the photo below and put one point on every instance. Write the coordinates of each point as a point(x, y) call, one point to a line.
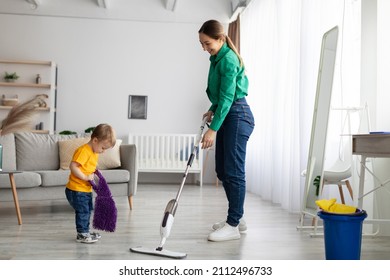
point(230, 152)
point(82, 204)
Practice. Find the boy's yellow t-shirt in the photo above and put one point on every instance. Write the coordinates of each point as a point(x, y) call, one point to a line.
point(88, 160)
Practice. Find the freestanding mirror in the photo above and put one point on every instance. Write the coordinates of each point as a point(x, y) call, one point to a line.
point(316, 158)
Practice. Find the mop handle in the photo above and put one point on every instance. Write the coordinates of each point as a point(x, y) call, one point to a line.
point(191, 159)
point(196, 144)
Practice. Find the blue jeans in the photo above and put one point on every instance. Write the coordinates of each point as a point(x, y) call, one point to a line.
point(230, 152)
point(82, 204)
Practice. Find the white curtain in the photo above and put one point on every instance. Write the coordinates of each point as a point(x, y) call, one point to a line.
point(280, 45)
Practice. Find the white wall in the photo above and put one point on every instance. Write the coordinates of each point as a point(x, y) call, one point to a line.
point(383, 66)
point(381, 112)
point(103, 61)
point(375, 85)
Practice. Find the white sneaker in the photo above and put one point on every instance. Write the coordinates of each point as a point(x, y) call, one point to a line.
point(241, 226)
point(225, 233)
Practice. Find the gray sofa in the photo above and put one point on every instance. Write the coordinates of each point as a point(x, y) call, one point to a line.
point(38, 157)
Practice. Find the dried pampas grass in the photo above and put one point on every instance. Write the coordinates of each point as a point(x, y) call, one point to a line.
point(21, 116)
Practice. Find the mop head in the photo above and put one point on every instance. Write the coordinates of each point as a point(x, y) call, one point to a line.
point(105, 211)
point(157, 252)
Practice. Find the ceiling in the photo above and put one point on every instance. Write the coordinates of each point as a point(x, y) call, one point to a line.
point(133, 10)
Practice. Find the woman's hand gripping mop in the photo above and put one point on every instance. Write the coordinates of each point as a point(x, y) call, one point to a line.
point(170, 210)
point(105, 211)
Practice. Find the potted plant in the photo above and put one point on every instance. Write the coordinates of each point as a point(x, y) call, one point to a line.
point(89, 129)
point(11, 77)
point(67, 132)
point(316, 183)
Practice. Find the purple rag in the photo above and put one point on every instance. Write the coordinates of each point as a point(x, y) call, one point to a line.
point(105, 212)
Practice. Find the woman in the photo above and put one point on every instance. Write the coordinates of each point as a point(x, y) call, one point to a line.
point(231, 124)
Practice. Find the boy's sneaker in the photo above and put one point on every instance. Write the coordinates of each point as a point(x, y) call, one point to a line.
point(95, 234)
point(86, 238)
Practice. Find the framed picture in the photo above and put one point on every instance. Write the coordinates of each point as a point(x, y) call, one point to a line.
point(138, 107)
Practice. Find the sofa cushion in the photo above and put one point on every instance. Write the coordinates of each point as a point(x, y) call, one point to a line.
point(22, 180)
point(36, 151)
point(116, 175)
point(67, 149)
point(111, 158)
point(9, 153)
point(107, 160)
point(52, 178)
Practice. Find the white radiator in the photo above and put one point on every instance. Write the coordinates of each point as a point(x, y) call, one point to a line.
point(168, 153)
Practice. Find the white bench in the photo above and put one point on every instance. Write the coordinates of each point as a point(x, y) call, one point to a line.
point(167, 153)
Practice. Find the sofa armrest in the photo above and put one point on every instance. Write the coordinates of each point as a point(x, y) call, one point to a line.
point(128, 154)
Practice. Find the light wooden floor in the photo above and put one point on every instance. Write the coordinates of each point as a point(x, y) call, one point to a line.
point(48, 230)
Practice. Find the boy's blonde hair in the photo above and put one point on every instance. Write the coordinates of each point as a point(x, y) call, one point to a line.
point(104, 132)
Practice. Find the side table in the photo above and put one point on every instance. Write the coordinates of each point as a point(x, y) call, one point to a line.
point(14, 192)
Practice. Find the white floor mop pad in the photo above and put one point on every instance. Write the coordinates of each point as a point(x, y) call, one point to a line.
point(170, 210)
point(156, 252)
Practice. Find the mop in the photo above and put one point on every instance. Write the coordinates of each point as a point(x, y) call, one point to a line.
point(105, 211)
point(170, 210)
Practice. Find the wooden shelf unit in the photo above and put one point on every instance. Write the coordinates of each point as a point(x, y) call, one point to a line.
point(27, 62)
point(26, 88)
point(2, 107)
point(16, 84)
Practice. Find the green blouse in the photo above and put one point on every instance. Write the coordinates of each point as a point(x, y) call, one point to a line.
point(227, 82)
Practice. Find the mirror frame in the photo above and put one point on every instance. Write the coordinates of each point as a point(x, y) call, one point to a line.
point(316, 157)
